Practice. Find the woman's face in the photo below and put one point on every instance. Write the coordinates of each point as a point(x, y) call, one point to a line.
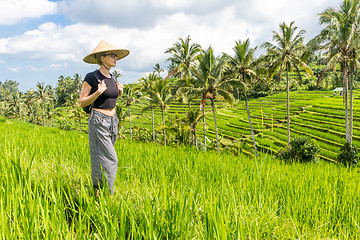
point(109, 59)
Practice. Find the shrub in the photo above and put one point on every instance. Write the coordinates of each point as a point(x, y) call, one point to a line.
point(301, 149)
point(2, 119)
point(311, 84)
point(348, 155)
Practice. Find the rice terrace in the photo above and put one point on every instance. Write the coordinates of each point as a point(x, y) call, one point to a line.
point(235, 146)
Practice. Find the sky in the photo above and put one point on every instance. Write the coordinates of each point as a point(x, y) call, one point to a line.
point(40, 40)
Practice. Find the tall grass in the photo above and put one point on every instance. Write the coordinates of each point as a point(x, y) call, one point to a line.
point(166, 193)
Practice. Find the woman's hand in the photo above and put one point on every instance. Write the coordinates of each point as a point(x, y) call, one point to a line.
point(120, 88)
point(102, 87)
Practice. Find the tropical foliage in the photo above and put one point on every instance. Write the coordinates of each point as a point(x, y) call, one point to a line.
point(199, 77)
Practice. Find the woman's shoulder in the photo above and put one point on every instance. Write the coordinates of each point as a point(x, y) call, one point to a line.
point(92, 74)
point(91, 78)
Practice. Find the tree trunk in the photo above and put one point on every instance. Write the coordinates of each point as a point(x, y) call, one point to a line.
point(163, 121)
point(345, 93)
point(251, 127)
point(216, 130)
point(352, 67)
point(130, 123)
point(80, 120)
point(20, 111)
point(321, 75)
point(153, 122)
point(203, 112)
point(43, 115)
point(194, 138)
point(288, 105)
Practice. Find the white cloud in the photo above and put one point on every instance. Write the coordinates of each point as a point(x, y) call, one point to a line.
point(147, 46)
point(13, 11)
point(14, 69)
point(135, 13)
point(48, 41)
point(267, 15)
point(156, 25)
point(49, 67)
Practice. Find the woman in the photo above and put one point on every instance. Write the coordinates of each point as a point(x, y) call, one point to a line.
point(101, 90)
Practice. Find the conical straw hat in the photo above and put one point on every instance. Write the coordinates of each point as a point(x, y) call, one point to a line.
point(104, 48)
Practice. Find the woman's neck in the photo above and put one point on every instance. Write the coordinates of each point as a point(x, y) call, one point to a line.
point(104, 71)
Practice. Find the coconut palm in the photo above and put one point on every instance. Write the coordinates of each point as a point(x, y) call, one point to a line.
point(161, 95)
point(42, 94)
point(286, 55)
point(180, 131)
point(130, 97)
point(354, 63)
point(183, 55)
point(158, 69)
point(340, 40)
point(243, 67)
point(30, 101)
point(192, 119)
point(146, 84)
point(14, 106)
point(116, 74)
point(209, 83)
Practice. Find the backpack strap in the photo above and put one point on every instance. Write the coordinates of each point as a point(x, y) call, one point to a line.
point(88, 108)
point(96, 75)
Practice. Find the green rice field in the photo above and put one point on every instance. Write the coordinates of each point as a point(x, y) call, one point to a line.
point(316, 114)
point(168, 193)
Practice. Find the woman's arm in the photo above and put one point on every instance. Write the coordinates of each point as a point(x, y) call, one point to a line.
point(85, 98)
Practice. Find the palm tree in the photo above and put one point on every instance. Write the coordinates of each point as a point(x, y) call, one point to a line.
point(42, 95)
point(354, 56)
point(243, 67)
point(180, 131)
point(50, 102)
point(130, 96)
point(146, 84)
point(77, 83)
point(182, 61)
point(340, 40)
point(116, 74)
point(14, 109)
point(210, 83)
point(158, 69)
point(161, 96)
point(286, 54)
point(192, 119)
point(30, 100)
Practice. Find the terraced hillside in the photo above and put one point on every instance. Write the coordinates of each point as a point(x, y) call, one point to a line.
point(319, 115)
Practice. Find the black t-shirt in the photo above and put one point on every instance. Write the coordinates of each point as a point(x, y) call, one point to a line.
point(107, 100)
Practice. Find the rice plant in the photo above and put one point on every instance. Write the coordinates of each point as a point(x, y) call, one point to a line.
point(166, 193)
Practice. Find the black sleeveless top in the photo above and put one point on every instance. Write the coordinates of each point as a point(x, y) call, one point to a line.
point(107, 100)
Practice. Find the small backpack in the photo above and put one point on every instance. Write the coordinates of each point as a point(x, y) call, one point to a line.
point(88, 108)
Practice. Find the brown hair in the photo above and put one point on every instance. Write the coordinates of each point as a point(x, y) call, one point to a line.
point(98, 58)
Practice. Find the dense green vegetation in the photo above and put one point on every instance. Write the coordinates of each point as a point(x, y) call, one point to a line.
point(197, 78)
point(235, 104)
point(163, 192)
point(318, 115)
point(202, 99)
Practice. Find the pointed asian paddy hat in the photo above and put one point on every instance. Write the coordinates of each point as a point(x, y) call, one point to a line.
point(104, 48)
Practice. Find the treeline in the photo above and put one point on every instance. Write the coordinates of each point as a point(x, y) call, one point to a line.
point(44, 105)
point(328, 60)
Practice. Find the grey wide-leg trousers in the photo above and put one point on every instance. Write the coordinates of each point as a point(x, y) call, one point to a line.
point(102, 138)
